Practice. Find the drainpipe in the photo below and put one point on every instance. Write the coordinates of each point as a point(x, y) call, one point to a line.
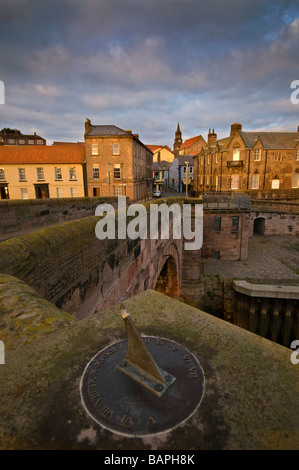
point(221, 172)
point(241, 240)
point(265, 169)
point(248, 173)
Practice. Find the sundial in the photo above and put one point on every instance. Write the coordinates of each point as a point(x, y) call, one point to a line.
point(142, 385)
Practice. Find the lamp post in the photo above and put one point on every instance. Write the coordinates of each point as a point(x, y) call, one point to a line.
point(108, 178)
point(187, 176)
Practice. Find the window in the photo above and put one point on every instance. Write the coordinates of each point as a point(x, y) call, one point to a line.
point(40, 174)
point(59, 192)
point(295, 182)
point(217, 224)
point(115, 149)
point(257, 155)
point(94, 149)
point(30, 142)
point(116, 190)
point(24, 193)
point(73, 176)
point(58, 173)
point(297, 154)
point(116, 171)
point(277, 156)
point(236, 154)
point(21, 141)
point(234, 181)
point(11, 141)
point(255, 181)
point(235, 223)
point(74, 192)
point(2, 174)
point(39, 142)
point(95, 171)
point(275, 184)
point(22, 174)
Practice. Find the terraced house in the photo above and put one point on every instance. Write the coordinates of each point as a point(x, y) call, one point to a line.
point(248, 160)
point(43, 171)
point(117, 162)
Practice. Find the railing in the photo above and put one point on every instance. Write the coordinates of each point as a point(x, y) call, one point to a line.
point(235, 163)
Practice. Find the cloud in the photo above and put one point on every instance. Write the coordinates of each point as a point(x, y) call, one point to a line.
point(146, 65)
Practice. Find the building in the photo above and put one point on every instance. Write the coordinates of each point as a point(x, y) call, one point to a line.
point(190, 146)
point(15, 137)
point(158, 177)
point(41, 171)
point(161, 153)
point(248, 160)
point(181, 167)
point(117, 162)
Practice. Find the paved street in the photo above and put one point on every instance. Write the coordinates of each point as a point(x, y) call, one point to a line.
point(270, 259)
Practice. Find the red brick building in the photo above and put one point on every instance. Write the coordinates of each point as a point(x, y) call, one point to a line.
point(117, 162)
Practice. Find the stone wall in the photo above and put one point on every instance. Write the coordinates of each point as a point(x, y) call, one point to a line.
point(21, 215)
point(74, 270)
point(275, 223)
point(222, 239)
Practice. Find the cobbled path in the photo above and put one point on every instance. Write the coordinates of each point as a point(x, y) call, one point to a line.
point(270, 259)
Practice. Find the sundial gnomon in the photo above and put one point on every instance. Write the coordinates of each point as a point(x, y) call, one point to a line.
point(142, 385)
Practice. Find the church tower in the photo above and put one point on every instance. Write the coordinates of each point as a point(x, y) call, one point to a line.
point(177, 141)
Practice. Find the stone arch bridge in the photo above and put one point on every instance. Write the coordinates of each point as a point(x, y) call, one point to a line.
point(71, 268)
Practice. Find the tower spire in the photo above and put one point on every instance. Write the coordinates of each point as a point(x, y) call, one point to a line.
point(177, 140)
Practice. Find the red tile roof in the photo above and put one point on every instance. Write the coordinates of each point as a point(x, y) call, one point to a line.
point(64, 153)
point(189, 142)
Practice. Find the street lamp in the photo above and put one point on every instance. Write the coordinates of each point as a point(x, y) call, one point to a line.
point(187, 176)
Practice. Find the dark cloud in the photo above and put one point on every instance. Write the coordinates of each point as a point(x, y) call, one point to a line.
point(147, 64)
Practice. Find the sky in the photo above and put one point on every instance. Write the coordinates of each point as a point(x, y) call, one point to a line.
point(147, 65)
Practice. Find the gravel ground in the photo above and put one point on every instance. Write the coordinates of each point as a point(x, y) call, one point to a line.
point(270, 259)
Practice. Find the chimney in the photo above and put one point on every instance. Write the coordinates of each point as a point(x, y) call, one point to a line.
point(236, 126)
point(87, 126)
point(212, 137)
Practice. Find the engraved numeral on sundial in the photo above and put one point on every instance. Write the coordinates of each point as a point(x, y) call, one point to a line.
point(127, 420)
point(187, 358)
point(107, 412)
point(193, 372)
point(95, 397)
point(151, 421)
point(160, 341)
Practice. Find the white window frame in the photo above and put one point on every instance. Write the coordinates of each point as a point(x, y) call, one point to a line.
point(235, 181)
point(21, 141)
point(58, 173)
point(115, 149)
point(73, 173)
point(255, 184)
point(39, 142)
point(94, 149)
point(22, 174)
point(95, 171)
point(297, 155)
point(2, 174)
point(116, 173)
point(257, 155)
point(295, 180)
point(31, 142)
point(236, 155)
point(40, 173)
point(24, 193)
point(74, 192)
point(59, 193)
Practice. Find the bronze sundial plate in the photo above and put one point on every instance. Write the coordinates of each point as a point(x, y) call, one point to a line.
point(122, 405)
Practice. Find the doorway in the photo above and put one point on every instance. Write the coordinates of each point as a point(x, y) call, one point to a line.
point(259, 226)
point(41, 191)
